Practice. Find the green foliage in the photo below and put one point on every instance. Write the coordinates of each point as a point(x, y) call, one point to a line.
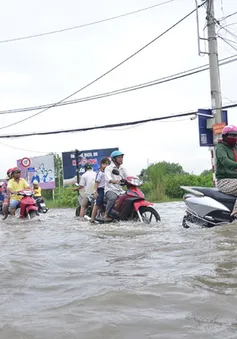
point(63, 197)
point(163, 181)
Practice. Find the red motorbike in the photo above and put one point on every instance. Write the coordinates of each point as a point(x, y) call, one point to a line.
point(132, 204)
point(28, 208)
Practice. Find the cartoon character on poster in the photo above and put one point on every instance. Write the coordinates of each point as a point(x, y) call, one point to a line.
point(42, 174)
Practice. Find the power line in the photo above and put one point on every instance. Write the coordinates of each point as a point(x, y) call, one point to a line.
point(162, 80)
point(96, 127)
point(130, 123)
point(109, 71)
point(85, 25)
point(228, 16)
point(227, 42)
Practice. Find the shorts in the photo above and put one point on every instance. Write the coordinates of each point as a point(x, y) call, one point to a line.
point(84, 202)
point(14, 203)
point(100, 198)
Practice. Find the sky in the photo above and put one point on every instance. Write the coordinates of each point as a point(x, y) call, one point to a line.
point(47, 69)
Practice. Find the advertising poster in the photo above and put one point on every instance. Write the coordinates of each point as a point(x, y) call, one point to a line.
point(92, 157)
point(38, 168)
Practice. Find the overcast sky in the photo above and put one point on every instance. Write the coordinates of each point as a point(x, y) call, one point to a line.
point(47, 69)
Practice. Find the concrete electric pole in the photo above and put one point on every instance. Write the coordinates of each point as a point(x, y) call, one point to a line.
point(216, 99)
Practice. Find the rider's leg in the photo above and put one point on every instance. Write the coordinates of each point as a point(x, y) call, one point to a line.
point(111, 199)
point(229, 186)
point(83, 207)
point(5, 207)
point(13, 205)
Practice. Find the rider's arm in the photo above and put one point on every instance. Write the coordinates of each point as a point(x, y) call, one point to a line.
point(10, 187)
point(108, 176)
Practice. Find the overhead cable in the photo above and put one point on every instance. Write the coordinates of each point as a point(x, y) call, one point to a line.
point(84, 25)
point(109, 71)
point(129, 123)
point(159, 81)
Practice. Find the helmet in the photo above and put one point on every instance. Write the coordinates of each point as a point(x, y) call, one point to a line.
point(35, 182)
point(16, 169)
point(115, 154)
point(229, 134)
point(87, 167)
point(9, 171)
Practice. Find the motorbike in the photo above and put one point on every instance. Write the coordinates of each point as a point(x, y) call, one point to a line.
point(207, 207)
point(41, 205)
point(28, 208)
point(132, 204)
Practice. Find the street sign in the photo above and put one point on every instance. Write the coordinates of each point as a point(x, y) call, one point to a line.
point(206, 134)
point(25, 162)
point(217, 128)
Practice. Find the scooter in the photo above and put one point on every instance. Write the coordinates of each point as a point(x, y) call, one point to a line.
point(207, 207)
point(132, 204)
point(28, 208)
point(41, 205)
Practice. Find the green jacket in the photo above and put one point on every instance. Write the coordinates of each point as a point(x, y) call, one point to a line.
point(226, 166)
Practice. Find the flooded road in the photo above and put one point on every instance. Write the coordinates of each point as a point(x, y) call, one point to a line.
point(63, 279)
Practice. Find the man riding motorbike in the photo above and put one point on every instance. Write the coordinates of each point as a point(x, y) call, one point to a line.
point(15, 185)
point(112, 182)
point(226, 164)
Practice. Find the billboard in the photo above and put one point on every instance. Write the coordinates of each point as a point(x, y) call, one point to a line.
point(38, 168)
point(92, 157)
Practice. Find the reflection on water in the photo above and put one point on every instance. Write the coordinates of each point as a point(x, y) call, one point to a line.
point(63, 279)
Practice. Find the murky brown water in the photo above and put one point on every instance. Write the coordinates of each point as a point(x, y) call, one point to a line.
point(61, 279)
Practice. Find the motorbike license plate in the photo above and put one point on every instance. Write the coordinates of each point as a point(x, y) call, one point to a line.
point(42, 204)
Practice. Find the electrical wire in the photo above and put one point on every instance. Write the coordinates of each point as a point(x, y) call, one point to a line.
point(22, 149)
point(109, 71)
point(85, 25)
point(162, 80)
point(129, 123)
point(227, 42)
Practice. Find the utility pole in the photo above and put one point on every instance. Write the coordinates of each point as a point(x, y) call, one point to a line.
point(77, 166)
point(216, 100)
point(214, 63)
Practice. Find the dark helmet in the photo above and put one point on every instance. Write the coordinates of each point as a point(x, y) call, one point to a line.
point(87, 167)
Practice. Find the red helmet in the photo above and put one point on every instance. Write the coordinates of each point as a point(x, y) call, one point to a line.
point(229, 134)
point(9, 171)
point(16, 169)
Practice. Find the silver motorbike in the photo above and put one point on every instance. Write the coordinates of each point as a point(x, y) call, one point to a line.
point(207, 207)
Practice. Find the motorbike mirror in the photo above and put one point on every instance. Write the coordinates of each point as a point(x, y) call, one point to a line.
point(115, 171)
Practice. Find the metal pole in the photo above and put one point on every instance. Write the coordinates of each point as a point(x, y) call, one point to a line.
point(216, 100)
point(77, 166)
point(214, 63)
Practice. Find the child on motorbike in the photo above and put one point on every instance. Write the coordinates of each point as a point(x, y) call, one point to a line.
point(37, 189)
point(99, 187)
point(226, 164)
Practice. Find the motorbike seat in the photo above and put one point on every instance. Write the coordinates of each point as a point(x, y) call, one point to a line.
point(216, 194)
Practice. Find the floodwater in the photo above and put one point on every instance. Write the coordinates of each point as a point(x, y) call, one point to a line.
point(63, 279)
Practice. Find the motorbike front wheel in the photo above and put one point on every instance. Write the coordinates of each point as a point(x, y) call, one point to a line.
point(149, 215)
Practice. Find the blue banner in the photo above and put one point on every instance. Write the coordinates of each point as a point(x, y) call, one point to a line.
point(92, 157)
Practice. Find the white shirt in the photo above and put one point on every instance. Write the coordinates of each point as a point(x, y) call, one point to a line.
point(88, 181)
point(116, 188)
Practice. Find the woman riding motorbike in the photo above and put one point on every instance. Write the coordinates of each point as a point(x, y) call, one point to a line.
point(226, 164)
